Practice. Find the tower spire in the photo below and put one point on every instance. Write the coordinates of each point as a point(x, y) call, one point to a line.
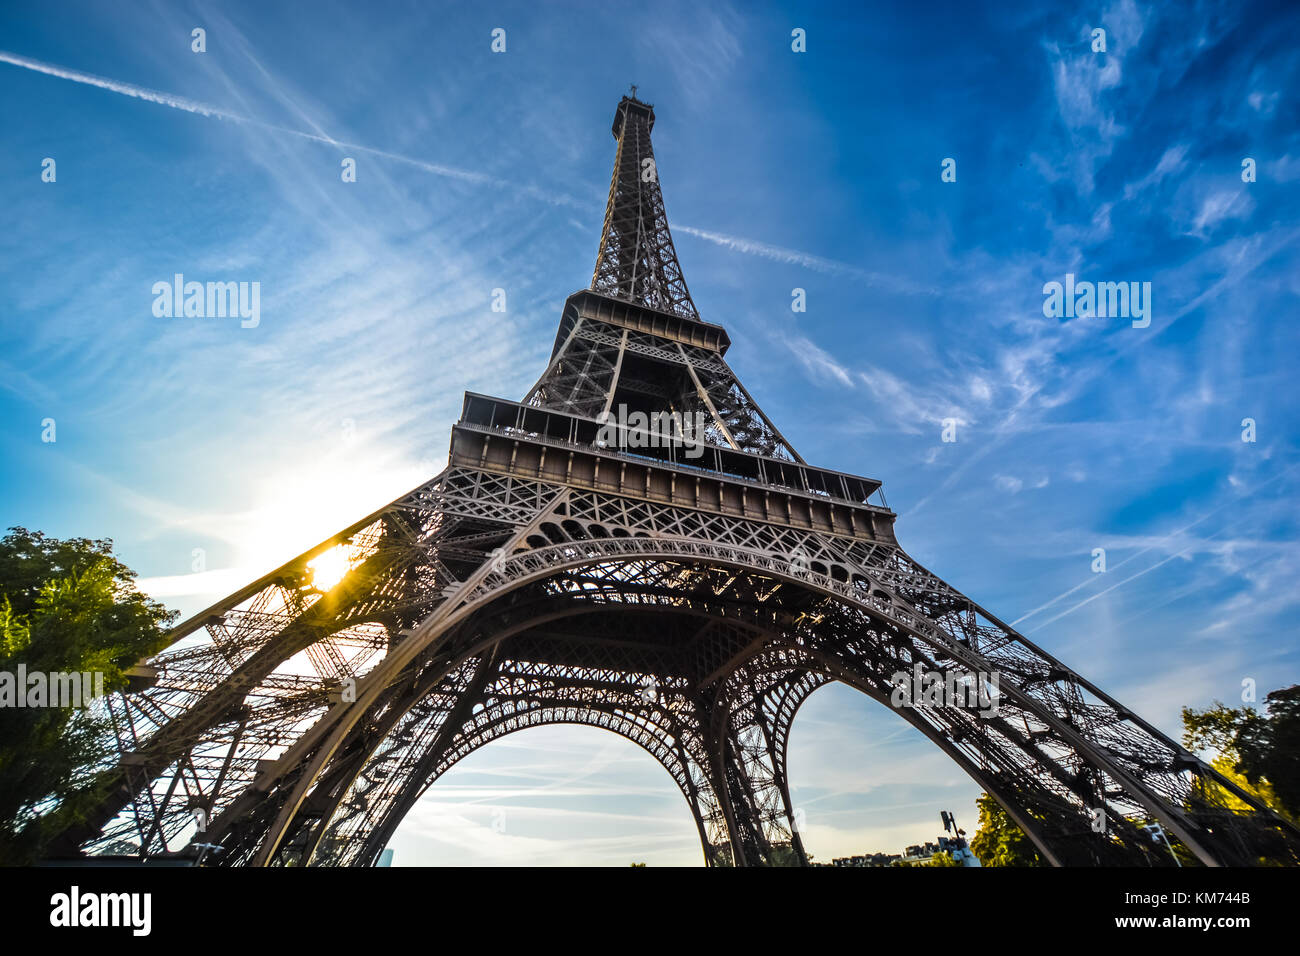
point(637, 261)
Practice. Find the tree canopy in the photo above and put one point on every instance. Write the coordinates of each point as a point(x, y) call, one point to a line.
point(1259, 749)
point(999, 841)
point(66, 606)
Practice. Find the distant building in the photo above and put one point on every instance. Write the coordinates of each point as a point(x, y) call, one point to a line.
point(919, 854)
point(869, 859)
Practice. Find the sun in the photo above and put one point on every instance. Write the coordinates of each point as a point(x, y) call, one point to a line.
point(327, 569)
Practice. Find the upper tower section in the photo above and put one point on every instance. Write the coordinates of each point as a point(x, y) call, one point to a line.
point(637, 261)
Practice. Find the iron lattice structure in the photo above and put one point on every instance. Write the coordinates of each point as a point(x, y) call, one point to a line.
point(689, 604)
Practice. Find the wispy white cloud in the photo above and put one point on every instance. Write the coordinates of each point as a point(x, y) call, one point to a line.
point(1219, 206)
point(1081, 80)
point(699, 54)
point(1172, 162)
point(819, 365)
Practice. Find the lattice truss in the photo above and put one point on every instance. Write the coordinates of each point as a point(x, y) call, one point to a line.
point(589, 375)
point(304, 725)
point(300, 719)
point(242, 685)
point(637, 261)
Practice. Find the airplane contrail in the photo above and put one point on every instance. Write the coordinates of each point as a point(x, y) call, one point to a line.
point(126, 89)
point(199, 108)
point(173, 101)
point(804, 259)
point(1166, 538)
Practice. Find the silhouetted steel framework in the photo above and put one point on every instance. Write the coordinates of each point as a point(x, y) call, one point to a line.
point(688, 604)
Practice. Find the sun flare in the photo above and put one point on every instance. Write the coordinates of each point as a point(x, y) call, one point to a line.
point(328, 569)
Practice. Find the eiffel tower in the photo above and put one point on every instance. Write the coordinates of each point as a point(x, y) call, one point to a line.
point(687, 595)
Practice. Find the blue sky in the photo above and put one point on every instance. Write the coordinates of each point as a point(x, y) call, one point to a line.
point(781, 170)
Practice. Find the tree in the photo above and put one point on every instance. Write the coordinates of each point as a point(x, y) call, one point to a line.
point(1262, 750)
point(66, 606)
point(783, 854)
point(943, 858)
point(999, 841)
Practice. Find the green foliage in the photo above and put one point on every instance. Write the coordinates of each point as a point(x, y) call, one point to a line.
point(1262, 749)
point(1211, 729)
point(943, 858)
point(638, 866)
point(65, 606)
point(999, 841)
point(783, 854)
